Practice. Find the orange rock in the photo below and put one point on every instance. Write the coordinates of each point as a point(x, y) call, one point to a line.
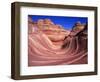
point(48, 21)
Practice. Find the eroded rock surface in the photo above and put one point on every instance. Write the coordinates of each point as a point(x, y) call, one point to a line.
point(51, 44)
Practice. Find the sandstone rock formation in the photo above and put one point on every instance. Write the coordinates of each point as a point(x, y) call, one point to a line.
point(50, 44)
point(56, 33)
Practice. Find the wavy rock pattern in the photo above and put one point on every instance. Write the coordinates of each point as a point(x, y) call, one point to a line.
point(46, 47)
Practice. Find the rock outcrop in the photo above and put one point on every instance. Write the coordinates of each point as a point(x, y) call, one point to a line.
point(56, 33)
point(51, 44)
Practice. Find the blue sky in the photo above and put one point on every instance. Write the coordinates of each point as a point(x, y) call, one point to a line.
point(66, 21)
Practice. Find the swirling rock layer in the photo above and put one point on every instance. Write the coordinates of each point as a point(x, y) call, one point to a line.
point(56, 46)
